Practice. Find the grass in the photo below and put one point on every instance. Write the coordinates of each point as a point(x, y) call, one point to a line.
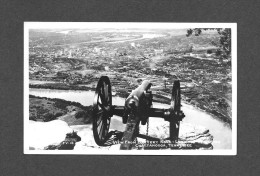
point(47, 109)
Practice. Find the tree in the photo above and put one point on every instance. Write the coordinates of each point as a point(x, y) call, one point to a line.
point(224, 44)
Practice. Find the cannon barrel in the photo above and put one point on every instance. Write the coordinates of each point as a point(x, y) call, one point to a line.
point(136, 95)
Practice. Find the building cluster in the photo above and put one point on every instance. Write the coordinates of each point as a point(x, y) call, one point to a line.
point(127, 63)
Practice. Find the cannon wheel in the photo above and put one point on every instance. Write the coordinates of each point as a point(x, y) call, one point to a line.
point(175, 109)
point(102, 110)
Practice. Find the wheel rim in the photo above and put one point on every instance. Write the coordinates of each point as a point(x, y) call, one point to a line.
point(102, 110)
point(175, 109)
point(176, 99)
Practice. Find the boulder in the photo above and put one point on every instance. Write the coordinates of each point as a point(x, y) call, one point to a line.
point(190, 136)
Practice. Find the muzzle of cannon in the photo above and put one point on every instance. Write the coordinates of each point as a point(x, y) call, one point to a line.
point(139, 102)
point(137, 108)
point(138, 95)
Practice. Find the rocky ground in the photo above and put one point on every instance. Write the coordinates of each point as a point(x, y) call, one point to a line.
point(71, 129)
point(58, 135)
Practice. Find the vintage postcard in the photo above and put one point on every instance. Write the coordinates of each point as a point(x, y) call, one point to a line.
point(130, 88)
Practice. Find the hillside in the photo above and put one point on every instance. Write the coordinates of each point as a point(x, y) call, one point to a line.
point(159, 56)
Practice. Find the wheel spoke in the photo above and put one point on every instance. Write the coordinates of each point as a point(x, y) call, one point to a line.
point(102, 107)
point(104, 131)
point(108, 124)
point(100, 131)
point(99, 112)
point(99, 99)
point(101, 96)
point(98, 123)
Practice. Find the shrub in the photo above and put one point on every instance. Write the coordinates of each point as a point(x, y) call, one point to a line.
point(209, 51)
point(58, 114)
point(48, 117)
point(32, 118)
point(80, 114)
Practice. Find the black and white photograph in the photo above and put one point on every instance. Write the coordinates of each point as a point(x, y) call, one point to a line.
point(121, 88)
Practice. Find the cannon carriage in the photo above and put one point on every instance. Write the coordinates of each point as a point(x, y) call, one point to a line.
point(137, 109)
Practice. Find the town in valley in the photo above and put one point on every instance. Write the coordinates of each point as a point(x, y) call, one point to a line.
point(74, 59)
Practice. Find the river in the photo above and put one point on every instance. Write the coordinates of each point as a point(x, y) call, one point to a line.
point(35, 82)
point(144, 36)
point(221, 131)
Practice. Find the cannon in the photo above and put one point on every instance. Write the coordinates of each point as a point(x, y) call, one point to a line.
point(137, 109)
